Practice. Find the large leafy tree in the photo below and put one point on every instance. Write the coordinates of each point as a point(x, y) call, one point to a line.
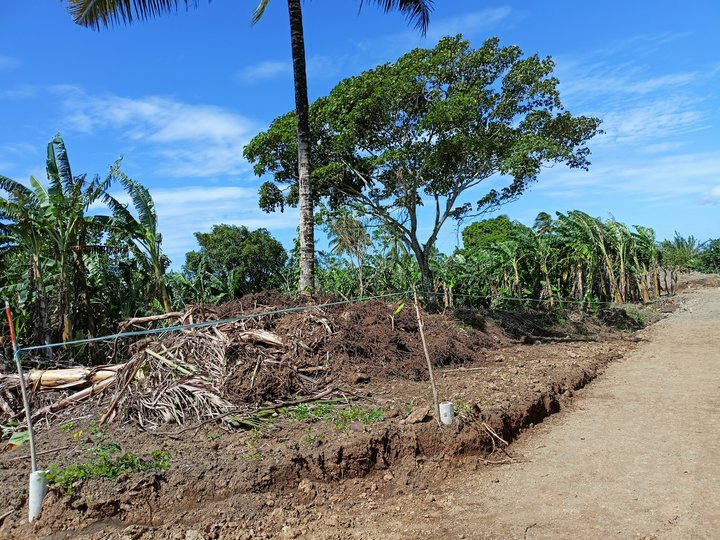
point(246, 261)
point(437, 123)
point(97, 13)
point(481, 234)
point(710, 257)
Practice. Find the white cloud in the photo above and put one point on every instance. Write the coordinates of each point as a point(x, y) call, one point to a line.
point(712, 196)
point(468, 23)
point(317, 67)
point(8, 62)
point(324, 67)
point(22, 91)
point(662, 147)
point(15, 154)
point(263, 71)
point(182, 212)
point(692, 176)
point(666, 117)
point(585, 80)
point(642, 108)
point(664, 82)
point(190, 140)
point(382, 49)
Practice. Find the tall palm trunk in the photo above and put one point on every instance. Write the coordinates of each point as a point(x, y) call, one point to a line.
point(302, 109)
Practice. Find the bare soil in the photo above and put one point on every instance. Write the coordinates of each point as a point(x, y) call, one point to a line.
point(405, 477)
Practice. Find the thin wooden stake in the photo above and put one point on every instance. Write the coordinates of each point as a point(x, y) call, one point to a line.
point(427, 357)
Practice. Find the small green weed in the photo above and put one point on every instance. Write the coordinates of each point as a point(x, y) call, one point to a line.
point(8, 428)
point(104, 461)
point(463, 407)
point(341, 417)
point(344, 417)
point(310, 438)
point(311, 413)
point(636, 314)
point(253, 452)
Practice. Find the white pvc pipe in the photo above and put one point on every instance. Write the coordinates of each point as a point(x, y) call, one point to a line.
point(38, 479)
point(447, 412)
point(38, 490)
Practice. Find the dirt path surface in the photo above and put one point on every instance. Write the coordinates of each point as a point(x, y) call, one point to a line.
point(636, 455)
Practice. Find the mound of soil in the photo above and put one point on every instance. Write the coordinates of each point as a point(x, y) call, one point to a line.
point(370, 339)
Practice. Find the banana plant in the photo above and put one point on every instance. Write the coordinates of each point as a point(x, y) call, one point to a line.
point(142, 231)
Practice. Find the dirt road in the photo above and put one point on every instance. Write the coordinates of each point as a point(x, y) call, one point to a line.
point(636, 455)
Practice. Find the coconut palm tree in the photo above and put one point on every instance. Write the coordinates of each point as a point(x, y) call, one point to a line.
point(97, 13)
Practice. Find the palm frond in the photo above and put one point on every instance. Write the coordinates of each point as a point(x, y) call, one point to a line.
point(13, 187)
point(56, 149)
point(40, 192)
point(105, 13)
point(122, 216)
point(142, 200)
point(417, 11)
point(259, 11)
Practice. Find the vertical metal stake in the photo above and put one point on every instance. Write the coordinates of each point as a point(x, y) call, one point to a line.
point(23, 389)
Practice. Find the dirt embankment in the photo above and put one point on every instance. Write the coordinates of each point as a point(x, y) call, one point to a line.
point(504, 374)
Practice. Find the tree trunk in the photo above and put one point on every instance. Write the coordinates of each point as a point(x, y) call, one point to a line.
point(160, 284)
point(656, 281)
point(65, 320)
point(307, 233)
point(360, 259)
point(674, 281)
point(427, 284)
point(44, 319)
point(642, 280)
point(427, 279)
point(83, 301)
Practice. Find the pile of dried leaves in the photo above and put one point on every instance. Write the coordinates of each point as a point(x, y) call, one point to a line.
point(273, 353)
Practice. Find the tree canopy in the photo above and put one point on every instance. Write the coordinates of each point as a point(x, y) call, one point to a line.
point(425, 130)
point(248, 261)
point(482, 234)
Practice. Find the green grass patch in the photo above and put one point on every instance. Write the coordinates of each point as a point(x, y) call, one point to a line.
point(105, 459)
point(342, 417)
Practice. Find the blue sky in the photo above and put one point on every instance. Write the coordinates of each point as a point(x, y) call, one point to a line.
point(178, 97)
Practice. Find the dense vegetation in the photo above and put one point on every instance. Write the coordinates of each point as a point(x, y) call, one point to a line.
point(395, 151)
point(406, 141)
point(70, 273)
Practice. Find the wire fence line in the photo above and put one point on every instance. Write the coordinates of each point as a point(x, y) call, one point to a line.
point(205, 324)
